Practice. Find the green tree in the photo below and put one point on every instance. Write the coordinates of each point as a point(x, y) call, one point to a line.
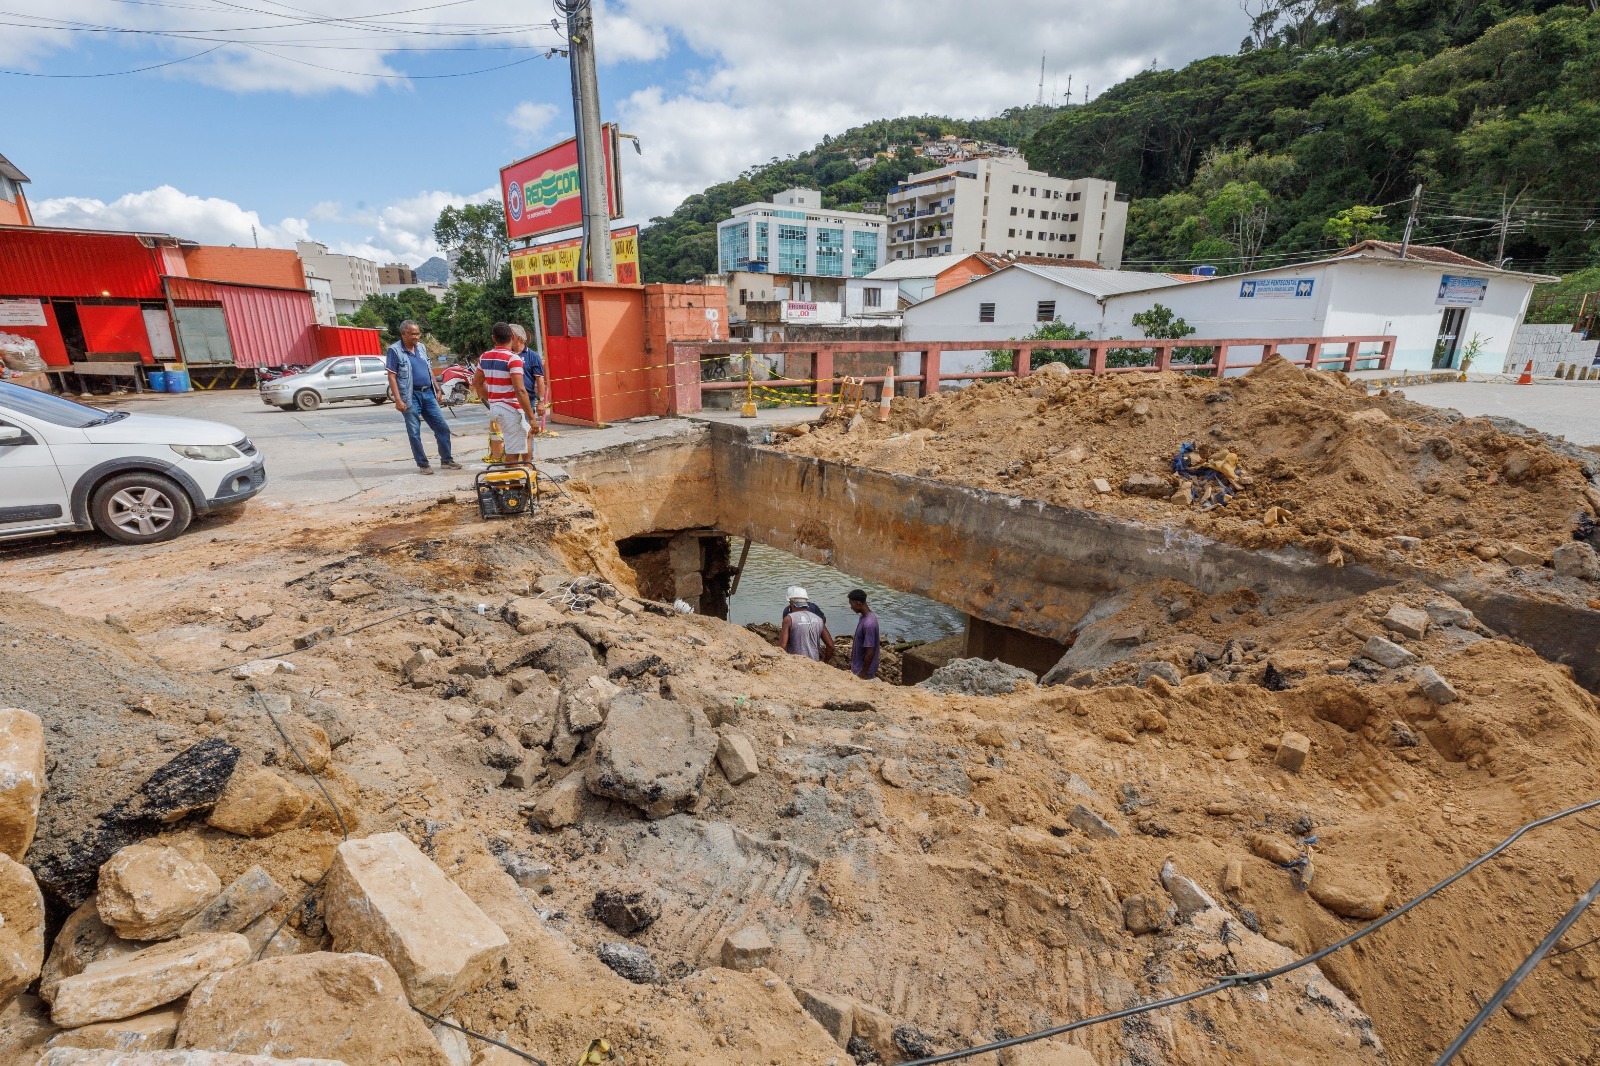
point(476, 235)
point(1355, 224)
point(463, 319)
point(1055, 330)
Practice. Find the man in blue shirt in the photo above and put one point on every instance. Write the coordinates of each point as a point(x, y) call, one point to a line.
point(411, 385)
point(533, 375)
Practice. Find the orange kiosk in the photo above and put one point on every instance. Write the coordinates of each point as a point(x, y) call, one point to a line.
point(594, 354)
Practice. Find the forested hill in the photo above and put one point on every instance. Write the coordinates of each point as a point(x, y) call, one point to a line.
point(1493, 105)
point(1314, 135)
point(683, 245)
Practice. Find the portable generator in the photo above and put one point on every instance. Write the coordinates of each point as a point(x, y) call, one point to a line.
point(506, 493)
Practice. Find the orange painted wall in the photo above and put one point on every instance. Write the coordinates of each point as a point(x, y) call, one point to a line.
point(615, 315)
point(15, 214)
point(958, 274)
point(275, 268)
point(677, 314)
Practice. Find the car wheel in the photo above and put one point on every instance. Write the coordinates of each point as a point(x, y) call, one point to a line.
point(140, 508)
point(307, 400)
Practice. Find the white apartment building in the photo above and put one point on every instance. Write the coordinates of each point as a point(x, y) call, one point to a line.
point(999, 205)
point(353, 279)
point(794, 235)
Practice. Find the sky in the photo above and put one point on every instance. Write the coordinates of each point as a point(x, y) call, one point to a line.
point(355, 123)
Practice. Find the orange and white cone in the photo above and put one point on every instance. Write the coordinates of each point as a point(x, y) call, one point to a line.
point(1527, 374)
point(885, 396)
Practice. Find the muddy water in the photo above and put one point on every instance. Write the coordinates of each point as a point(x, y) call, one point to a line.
point(901, 616)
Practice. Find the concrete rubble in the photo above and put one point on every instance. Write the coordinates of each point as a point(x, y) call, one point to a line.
point(155, 976)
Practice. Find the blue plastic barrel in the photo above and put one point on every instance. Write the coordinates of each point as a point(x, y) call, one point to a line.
point(177, 379)
point(158, 380)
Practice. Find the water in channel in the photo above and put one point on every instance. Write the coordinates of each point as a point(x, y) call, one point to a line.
point(769, 572)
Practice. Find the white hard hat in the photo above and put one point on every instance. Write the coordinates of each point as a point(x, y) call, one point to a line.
point(797, 593)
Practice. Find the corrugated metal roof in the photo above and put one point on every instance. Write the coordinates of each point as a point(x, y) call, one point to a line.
point(1099, 282)
point(927, 266)
point(43, 262)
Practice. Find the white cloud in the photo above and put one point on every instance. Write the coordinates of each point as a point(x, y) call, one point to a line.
point(530, 120)
point(208, 220)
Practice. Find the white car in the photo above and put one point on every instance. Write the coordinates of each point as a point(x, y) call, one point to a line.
point(136, 478)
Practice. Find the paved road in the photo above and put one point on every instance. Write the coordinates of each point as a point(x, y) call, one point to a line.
point(1571, 410)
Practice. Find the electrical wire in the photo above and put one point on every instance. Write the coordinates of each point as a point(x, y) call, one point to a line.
point(1245, 979)
point(486, 1039)
point(400, 77)
point(116, 73)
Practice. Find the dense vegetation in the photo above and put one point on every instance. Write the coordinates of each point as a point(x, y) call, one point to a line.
point(1313, 136)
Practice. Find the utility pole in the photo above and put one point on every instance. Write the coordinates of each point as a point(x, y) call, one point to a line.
point(591, 152)
point(1505, 224)
point(1041, 80)
point(253, 238)
point(1069, 88)
point(1411, 220)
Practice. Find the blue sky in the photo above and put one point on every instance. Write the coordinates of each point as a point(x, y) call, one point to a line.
point(261, 133)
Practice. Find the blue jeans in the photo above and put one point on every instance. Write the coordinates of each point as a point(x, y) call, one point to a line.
point(424, 405)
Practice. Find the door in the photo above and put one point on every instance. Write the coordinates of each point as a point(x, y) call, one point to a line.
point(1451, 325)
point(342, 380)
point(32, 495)
point(203, 336)
point(159, 329)
point(374, 383)
point(567, 356)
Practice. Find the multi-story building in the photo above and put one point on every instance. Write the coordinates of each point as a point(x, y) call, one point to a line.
point(396, 274)
point(794, 235)
point(353, 279)
point(13, 202)
point(999, 205)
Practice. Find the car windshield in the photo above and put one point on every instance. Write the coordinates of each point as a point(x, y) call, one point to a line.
point(318, 367)
point(54, 409)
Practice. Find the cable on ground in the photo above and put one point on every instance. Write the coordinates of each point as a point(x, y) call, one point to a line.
point(1244, 979)
point(358, 629)
point(486, 1039)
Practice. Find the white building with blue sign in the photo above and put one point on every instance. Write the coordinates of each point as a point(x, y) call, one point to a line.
point(794, 235)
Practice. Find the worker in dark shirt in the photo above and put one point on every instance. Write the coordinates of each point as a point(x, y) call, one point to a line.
point(864, 646)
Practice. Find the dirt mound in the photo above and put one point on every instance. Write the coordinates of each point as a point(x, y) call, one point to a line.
point(1352, 476)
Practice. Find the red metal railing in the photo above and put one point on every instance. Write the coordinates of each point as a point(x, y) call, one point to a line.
point(687, 386)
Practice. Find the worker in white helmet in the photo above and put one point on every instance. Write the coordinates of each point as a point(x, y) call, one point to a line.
point(805, 631)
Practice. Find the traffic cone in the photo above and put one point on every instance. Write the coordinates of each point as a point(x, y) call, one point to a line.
point(886, 395)
point(1527, 374)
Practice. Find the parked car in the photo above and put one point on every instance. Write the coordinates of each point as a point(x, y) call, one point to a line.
point(136, 478)
point(343, 377)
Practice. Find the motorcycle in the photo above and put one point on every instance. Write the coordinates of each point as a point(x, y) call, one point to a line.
point(455, 384)
point(265, 374)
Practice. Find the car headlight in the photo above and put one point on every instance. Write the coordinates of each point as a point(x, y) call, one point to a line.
point(212, 452)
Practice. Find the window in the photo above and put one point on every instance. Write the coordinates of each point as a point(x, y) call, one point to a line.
point(1047, 311)
point(372, 366)
point(1030, 212)
point(863, 253)
point(986, 312)
point(1033, 192)
point(1016, 188)
point(743, 293)
point(872, 297)
point(830, 251)
point(1030, 235)
point(1072, 237)
point(761, 242)
point(1011, 233)
point(733, 246)
point(8, 189)
point(791, 250)
point(1074, 217)
point(342, 367)
point(1014, 210)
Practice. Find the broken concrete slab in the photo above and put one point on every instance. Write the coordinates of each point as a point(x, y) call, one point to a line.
point(1406, 620)
point(349, 1007)
point(1450, 613)
point(1576, 559)
point(1434, 686)
point(252, 894)
point(746, 949)
point(836, 1014)
point(629, 961)
point(1517, 555)
point(583, 702)
point(653, 754)
point(1387, 653)
point(83, 938)
point(978, 677)
point(258, 668)
point(148, 891)
point(154, 977)
point(21, 929)
point(1157, 488)
point(1091, 824)
point(22, 779)
point(736, 755)
point(258, 803)
point(385, 897)
point(350, 589)
point(562, 804)
point(153, 1031)
point(1189, 896)
point(1293, 750)
point(627, 910)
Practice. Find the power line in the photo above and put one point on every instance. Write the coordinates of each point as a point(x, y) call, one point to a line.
point(115, 73)
point(546, 54)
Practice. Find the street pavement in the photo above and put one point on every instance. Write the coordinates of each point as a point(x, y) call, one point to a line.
point(1570, 410)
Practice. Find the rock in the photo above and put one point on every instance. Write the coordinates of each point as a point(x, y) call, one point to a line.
point(1047, 1053)
point(1146, 485)
point(258, 803)
point(1165, 671)
point(83, 939)
point(1450, 613)
point(1190, 897)
point(630, 962)
point(385, 897)
point(1386, 653)
point(1406, 544)
point(1128, 637)
point(630, 665)
point(21, 929)
point(559, 652)
point(1274, 849)
point(1091, 824)
point(737, 758)
point(22, 779)
point(1517, 555)
point(309, 744)
point(1143, 914)
point(350, 1008)
point(583, 702)
point(1486, 552)
point(1233, 877)
point(262, 668)
point(134, 984)
point(453, 1042)
point(1350, 892)
point(251, 895)
point(653, 753)
point(1100, 485)
point(1407, 621)
point(147, 891)
point(836, 1014)
point(1179, 609)
point(628, 910)
point(311, 638)
point(419, 670)
point(350, 589)
point(254, 613)
point(562, 804)
point(1369, 416)
point(1433, 686)
point(1576, 559)
point(978, 677)
point(143, 1032)
point(74, 1057)
point(1293, 748)
point(525, 773)
point(746, 949)
point(529, 875)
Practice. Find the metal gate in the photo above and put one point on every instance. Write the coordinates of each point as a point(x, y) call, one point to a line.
point(203, 336)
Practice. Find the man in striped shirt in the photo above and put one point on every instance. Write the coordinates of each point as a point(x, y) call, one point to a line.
point(498, 380)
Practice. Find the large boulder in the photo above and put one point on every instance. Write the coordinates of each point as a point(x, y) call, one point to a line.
point(83, 939)
point(653, 753)
point(143, 1032)
point(21, 779)
point(320, 1005)
point(21, 929)
point(147, 892)
point(154, 977)
point(385, 897)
